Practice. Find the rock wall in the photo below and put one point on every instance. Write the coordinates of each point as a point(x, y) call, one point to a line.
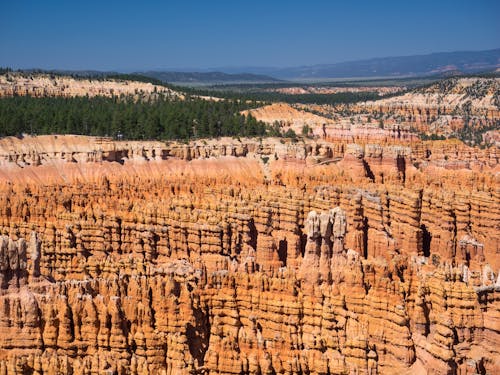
point(43, 85)
point(322, 259)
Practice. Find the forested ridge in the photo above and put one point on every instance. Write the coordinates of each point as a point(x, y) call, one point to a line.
point(162, 118)
point(274, 96)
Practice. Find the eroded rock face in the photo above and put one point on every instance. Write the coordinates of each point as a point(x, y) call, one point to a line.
point(42, 85)
point(221, 263)
point(444, 107)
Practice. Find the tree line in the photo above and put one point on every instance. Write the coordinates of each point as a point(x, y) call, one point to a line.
point(275, 96)
point(162, 118)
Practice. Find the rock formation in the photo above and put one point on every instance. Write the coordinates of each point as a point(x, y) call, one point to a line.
point(287, 117)
point(324, 258)
point(445, 107)
point(41, 85)
point(321, 89)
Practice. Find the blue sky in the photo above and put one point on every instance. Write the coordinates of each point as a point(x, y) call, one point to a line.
point(138, 35)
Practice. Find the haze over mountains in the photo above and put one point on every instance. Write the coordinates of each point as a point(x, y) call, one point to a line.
point(442, 63)
point(208, 77)
point(416, 65)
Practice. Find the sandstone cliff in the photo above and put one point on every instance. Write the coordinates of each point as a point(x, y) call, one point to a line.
point(248, 256)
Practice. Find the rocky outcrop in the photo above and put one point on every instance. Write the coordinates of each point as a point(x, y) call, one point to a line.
point(287, 117)
point(445, 107)
point(324, 259)
point(321, 89)
point(42, 85)
point(325, 240)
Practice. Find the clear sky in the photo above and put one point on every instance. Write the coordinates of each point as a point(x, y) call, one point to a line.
point(138, 35)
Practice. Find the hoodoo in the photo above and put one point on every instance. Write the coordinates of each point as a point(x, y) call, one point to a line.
point(202, 258)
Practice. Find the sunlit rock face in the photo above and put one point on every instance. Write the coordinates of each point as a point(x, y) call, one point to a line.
point(248, 257)
point(444, 107)
point(43, 85)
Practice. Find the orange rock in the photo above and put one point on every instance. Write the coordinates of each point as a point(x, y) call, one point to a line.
point(211, 260)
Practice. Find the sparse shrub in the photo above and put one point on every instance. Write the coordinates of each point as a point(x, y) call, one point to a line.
point(306, 130)
point(290, 133)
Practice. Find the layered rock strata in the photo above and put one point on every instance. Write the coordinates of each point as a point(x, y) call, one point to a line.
point(445, 107)
point(43, 85)
point(321, 259)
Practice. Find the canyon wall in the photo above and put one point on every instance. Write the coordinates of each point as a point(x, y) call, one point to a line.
point(248, 256)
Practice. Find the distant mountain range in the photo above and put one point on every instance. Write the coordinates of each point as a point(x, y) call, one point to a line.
point(434, 64)
point(443, 63)
point(203, 78)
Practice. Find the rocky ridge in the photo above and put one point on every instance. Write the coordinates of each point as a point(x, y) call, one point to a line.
point(298, 90)
point(42, 85)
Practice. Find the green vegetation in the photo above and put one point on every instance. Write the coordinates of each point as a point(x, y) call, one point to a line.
point(290, 133)
point(273, 96)
point(159, 119)
point(162, 118)
point(469, 135)
point(5, 70)
point(306, 130)
point(432, 137)
point(474, 136)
